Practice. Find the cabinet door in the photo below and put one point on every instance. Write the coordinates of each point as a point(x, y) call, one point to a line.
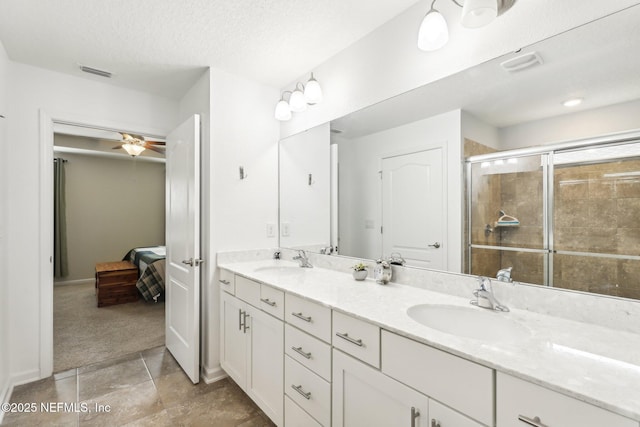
point(265, 377)
point(441, 416)
point(233, 341)
point(363, 396)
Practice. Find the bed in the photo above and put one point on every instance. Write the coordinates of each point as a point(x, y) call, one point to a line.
point(151, 268)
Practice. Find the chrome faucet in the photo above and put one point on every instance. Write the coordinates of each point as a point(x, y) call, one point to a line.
point(302, 258)
point(504, 275)
point(485, 298)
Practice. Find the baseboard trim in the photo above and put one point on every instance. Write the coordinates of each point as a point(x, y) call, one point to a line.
point(75, 282)
point(212, 375)
point(25, 377)
point(5, 395)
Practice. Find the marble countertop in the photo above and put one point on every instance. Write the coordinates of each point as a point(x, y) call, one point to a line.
point(595, 364)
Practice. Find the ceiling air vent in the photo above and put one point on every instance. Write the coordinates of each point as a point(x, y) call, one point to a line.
point(95, 71)
point(522, 62)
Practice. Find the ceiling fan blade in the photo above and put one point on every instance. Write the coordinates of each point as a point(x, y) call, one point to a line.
point(155, 142)
point(117, 147)
point(156, 149)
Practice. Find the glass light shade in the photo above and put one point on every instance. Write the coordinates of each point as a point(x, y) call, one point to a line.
point(283, 112)
point(434, 32)
point(297, 102)
point(133, 149)
point(478, 13)
point(313, 92)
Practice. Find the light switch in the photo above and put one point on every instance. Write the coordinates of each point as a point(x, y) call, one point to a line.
point(285, 229)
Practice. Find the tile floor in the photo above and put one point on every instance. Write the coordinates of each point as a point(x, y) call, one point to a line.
point(142, 389)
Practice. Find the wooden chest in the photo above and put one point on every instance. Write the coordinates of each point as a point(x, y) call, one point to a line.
point(116, 283)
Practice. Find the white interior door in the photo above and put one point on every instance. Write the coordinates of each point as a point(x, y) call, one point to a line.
point(413, 208)
point(182, 282)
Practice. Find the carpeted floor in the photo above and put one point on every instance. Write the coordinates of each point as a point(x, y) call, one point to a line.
point(84, 334)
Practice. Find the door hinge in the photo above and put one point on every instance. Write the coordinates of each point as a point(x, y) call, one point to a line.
point(380, 229)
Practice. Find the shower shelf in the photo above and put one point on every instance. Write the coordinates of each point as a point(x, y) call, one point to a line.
point(506, 221)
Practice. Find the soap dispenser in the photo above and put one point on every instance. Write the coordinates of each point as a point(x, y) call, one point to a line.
point(382, 272)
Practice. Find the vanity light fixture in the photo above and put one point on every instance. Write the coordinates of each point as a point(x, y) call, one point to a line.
point(434, 32)
point(301, 97)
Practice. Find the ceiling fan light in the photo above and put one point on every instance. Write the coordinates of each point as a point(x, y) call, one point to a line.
point(283, 111)
point(313, 91)
point(133, 149)
point(434, 32)
point(478, 13)
point(297, 102)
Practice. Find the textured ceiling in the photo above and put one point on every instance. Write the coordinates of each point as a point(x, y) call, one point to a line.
point(162, 46)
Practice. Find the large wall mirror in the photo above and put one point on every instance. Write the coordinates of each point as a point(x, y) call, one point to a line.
point(389, 178)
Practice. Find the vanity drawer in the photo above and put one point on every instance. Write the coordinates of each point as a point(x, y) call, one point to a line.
point(460, 384)
point(272, 301)
point(227, 281)
point(309, 351)
point(356, 337)
point(248, 290)
point(294, 416)
point(517, 398)
point(309, 316)
point(308, 390)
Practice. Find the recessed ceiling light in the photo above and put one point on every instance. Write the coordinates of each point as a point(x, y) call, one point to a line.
point(572, 102)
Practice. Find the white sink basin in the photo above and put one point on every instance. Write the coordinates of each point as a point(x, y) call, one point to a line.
point(281, 269)
point(469, 322)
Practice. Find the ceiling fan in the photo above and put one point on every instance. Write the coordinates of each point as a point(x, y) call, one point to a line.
point(134, 145)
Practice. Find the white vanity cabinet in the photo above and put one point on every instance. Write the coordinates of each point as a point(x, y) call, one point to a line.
point(458, 383)
point(364, 396)
point(252, 348)
point(521, 403)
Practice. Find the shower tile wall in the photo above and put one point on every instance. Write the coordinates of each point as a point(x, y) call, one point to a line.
point(597, 208)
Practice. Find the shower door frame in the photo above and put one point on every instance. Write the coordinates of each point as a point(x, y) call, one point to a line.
point(546, 153)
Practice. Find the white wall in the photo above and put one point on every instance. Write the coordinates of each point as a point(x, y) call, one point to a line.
point(305, 207)
point(360, 195)
point(31, 90)
point(387, 62)
point(570, 127)
point(242, 133)
point(479, 131)
point(4, 298)
point(113, 205)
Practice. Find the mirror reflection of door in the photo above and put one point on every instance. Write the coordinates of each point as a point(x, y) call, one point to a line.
point(413, 208)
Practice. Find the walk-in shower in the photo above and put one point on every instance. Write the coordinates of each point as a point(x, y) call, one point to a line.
point(566, 216)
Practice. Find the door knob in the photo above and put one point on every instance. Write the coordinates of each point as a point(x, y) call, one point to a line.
point(435, 245)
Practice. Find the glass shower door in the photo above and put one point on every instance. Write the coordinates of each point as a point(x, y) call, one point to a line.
point(507, 226)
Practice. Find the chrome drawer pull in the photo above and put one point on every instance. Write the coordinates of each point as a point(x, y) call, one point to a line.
point(300, 316)
point(298, 388)
point(240, 319)
point(435, 423)
point(346, 336)
point(224, 282)
point(415, 414)
point(535, 421)
point(269, 302)
point(299, 351)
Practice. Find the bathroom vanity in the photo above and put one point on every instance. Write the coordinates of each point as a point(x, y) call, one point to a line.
point(314, 347)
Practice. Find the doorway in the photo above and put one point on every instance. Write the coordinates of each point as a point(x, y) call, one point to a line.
point(112, 203)
point(46, 225)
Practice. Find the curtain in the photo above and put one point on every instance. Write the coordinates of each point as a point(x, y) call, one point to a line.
point(60, 261)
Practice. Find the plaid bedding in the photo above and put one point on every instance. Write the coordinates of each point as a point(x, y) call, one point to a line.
point(151, 263)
